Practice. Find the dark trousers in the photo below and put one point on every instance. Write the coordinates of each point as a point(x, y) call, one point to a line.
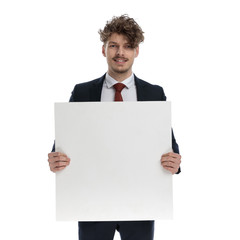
point(129, 230)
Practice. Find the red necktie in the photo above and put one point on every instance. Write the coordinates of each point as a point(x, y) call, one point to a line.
point(118, 87)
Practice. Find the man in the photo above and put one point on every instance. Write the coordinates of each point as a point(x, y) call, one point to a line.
point(121, 38)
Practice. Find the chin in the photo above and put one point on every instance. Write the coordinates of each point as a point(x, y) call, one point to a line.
point(121, 70)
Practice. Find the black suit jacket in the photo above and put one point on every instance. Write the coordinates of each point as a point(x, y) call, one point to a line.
point(91, 92)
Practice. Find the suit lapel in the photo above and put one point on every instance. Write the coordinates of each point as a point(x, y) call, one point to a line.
point(140, 89)
point(96, 90)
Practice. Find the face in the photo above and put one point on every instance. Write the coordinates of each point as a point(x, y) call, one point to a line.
point(120, 55)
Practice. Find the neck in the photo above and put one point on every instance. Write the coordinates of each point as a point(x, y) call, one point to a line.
point(120, 76)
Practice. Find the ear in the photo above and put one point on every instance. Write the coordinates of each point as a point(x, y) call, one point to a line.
point(103, 51)
point(136, 51)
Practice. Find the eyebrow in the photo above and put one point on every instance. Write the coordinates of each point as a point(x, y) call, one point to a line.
point(111, 42)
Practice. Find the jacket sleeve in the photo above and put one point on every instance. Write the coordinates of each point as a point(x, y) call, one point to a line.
point(175, 149)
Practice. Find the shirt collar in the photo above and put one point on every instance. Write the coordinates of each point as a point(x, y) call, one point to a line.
point(129, 82)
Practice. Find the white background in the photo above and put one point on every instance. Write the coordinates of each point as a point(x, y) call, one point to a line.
point(191, 49)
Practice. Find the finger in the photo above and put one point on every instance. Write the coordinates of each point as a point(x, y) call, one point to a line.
point(168, 159)
point(175, 158)
point(172, 162)
point(169, 164)
point(57, 169)
point(55, 159)
point(59, 159)
point(58, 165)
point(171, 154)
point(172, 167)
point(56, 154)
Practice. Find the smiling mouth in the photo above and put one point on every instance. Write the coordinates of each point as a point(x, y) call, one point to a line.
point(120, 60)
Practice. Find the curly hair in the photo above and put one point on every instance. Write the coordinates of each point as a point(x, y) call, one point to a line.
point(123, 25)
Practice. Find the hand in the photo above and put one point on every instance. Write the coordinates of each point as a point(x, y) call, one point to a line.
point(171, 161)
point(58, 161)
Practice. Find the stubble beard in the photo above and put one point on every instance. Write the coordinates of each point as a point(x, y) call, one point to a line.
point(121, 71)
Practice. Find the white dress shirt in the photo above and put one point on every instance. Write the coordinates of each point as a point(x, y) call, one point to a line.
point(129, 93)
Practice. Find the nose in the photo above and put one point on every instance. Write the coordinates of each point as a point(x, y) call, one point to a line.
point(120, 51)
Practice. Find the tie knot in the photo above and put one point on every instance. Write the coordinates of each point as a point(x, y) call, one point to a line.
point(119, 87)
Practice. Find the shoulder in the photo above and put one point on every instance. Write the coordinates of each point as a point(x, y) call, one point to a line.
point(89, 84)
point(152, 91)
point(147, 84)
point(87, 91)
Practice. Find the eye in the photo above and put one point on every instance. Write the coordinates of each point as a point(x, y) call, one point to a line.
point(112, 45)
point(128, 46)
